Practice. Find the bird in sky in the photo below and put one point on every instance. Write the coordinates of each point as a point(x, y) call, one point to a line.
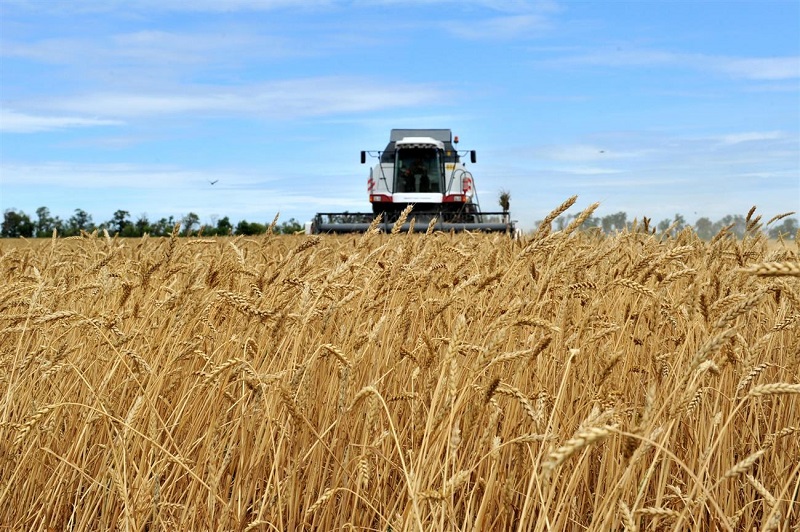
point(213, 182)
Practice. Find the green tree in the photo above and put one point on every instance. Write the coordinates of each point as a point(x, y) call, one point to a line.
point(224, 227)
point(80, 221)
point(614, 222)
point(188, 222)
point(787, 230)
point(16, 224)
point(677, 224)
point(120, 221)
point(291, 227)
point(735, 223)
point(132, 229)
point(680, 223)
point(704, 228)
point(44, 223)
point(563, 220)
point(250, 228)
point(591, 221)
point(142, 225)
point(163, 226)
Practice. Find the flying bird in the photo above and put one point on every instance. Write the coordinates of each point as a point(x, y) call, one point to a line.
point(213, 182)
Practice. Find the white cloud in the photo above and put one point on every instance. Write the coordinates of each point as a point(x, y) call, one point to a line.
point(226, 5)
point(751, 136)
point(14, 122)
point(151, 49)
point(502, 27)
point(750, 68)
point(281, 99)
point(508, 6)
point(81, 175)
point(218, 6)
point(762, 68)
point(92, 6)
point(618, 58)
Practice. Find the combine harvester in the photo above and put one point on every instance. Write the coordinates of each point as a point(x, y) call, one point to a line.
point(423, 168)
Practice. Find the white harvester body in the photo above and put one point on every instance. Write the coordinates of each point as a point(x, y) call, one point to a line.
point(419, 167)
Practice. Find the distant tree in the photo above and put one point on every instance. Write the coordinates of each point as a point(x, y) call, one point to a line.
point(119, 221)
point(142, 225)
point(680, 222)
point(163, 227)
point(704, 228)
point(58, 225)
point(250, 228)
point(562, 221)
point(291, 227)
point(243, 227)
point(224, 227)
point(188, 222)
point(44, 223)
point(80, 221)
point(16, 224)
point(213, 228)
point(135, 229)
point(675, 225)
point(592, 221)
point(736, 222)
point(787, 230)
point(614, 222)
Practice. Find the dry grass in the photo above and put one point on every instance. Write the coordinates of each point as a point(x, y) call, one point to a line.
point(567, 381)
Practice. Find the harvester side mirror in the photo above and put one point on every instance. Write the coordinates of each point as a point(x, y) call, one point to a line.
point(363, 157)
point(473, 156)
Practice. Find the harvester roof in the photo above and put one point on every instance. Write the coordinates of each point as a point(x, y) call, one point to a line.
point(419, 142)
point(443, 136)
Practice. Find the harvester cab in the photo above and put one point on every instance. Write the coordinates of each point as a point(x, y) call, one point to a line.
point(423, 168)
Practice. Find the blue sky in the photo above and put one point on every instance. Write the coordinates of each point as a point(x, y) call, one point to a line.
point(652, 108)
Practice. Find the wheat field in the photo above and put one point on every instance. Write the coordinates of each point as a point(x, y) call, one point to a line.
point(563, 381)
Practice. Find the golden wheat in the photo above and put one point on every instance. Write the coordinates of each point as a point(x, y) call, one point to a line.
point(567, 380)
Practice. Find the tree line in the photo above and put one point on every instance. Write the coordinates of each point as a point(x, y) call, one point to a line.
point(18, 224)
point(736, 224)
